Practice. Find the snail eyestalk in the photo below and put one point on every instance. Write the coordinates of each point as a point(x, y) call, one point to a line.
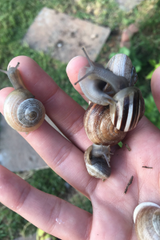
point(90, 69)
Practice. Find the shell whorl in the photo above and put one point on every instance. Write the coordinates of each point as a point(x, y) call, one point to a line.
point(146, 217)
point(98, 126)
point(23, 112)
point(128, 110)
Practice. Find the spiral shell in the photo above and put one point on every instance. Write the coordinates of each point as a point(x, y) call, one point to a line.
point(98, 126)
point(146, 217)
point(22, 112)
point(128, 110)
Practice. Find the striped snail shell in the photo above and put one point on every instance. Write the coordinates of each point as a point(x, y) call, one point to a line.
point(146, 217)
point(22, 111)
point(128, 109)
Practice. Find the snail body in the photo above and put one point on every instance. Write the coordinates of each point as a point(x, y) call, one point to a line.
point(22, 111)
point(146, 217)
point(116, 105)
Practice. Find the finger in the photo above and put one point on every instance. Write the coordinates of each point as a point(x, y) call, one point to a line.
point(155, 86)
point(45, 211)
point(59, 153)
point(72, 70)
point(62, 110)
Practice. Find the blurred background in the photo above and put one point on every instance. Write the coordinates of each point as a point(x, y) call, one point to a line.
point(132, 29)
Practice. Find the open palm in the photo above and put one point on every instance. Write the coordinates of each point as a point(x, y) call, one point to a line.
point(112, 209)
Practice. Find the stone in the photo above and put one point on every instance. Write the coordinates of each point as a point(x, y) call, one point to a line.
point(128, 5)
point(15, 153)
point(63, 36)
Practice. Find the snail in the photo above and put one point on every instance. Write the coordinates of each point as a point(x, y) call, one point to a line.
point(116, 106)
point(146, 217)
point(22, 111)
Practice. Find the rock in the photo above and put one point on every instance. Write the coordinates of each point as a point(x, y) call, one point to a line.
point(15, 153)
point(63, 36)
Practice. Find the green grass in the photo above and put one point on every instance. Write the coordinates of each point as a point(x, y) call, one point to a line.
point(17, 16)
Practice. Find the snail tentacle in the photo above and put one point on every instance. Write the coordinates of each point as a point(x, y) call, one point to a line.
point(95, 77)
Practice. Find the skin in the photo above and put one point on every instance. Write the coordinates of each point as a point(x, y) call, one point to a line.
point(112, 209)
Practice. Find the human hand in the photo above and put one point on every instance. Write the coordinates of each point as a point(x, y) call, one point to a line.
point(112, 209)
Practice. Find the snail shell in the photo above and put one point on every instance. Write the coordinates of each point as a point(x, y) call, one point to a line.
point(97, 158)
point(146, 217)
point(128, 109)
point(22, 111)
point(98, 126)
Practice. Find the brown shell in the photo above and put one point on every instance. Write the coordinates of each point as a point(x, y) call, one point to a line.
point(22, 111)
point(15, 113)
point(98, 126)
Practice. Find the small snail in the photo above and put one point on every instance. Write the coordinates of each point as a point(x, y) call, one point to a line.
point(146, 217)
point(116, 105)
point(97, 158)
point(22, 111)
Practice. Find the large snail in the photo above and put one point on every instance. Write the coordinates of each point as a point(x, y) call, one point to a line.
point(116, 107)
point(22, 111)
point(146, 217)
